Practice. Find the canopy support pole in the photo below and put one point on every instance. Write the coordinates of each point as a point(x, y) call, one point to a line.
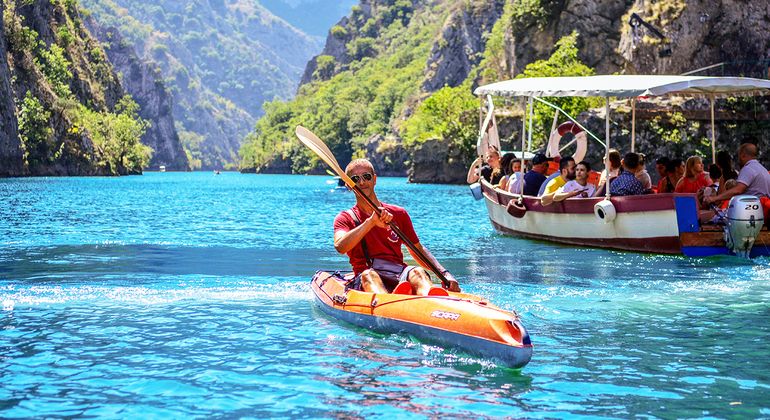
point(523, 139)
point(633, 124)
point(531, 117)
point(607, 148)
point(713, 133)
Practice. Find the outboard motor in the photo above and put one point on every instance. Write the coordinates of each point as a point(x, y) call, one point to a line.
point(744, 221)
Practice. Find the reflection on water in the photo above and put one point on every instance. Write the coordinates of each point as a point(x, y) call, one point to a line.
point(173, 295)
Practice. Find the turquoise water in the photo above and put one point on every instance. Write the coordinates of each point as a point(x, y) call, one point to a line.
point(171, 295)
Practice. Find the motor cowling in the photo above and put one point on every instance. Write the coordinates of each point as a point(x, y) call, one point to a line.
point(744, 221)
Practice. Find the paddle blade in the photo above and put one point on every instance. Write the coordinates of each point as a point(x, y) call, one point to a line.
point(309, 139)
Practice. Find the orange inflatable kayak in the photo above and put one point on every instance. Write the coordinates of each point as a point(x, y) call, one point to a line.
point(454, 320)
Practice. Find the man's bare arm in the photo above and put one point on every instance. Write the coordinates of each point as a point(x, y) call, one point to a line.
point(739, 189)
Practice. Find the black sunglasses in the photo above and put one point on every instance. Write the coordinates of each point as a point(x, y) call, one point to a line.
point(367, 176)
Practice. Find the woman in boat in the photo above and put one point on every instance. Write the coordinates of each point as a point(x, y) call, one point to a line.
point(492, 171)
point(511, 169)
point(614, 170)
point(674, 172)
point(641, 173)
point(694, 178)
point(725, 163)
point(660, 167)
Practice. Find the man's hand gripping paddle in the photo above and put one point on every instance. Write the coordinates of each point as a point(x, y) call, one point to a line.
point(309, 139)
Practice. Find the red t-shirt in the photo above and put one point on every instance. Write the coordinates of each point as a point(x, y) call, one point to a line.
point(687, 186)
point(664, 186)
point(380, 242)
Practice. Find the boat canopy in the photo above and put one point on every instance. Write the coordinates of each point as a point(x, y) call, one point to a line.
point(628, 86)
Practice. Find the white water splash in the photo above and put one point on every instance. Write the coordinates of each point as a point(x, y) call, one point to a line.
point(149, 295)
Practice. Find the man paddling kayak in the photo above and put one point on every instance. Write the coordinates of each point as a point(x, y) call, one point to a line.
point(373, 248)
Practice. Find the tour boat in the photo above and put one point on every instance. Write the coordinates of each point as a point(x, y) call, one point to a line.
point(655, 223)
point(454, 320)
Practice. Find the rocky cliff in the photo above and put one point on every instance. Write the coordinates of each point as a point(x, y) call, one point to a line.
point(144, 82)
point(11, 158)
point(461, 44)
point(49, 144)
point(64, 107)
point(699, 34)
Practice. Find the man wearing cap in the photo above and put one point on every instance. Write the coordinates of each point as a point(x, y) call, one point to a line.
point(534, 179)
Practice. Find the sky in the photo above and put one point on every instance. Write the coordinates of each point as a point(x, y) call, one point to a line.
point(314, 17)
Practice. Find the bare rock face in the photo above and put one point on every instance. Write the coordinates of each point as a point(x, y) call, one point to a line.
point(145, 84)
point(11, 158)
point(701, 34)
point(599, 23)
point(64, 151)
point(462, 45)
point(387, 155)
point(436, 162)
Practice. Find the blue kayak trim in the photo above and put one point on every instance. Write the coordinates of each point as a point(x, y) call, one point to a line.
point(512, 356)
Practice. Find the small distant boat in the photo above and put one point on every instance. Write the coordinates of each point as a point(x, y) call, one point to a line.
point(340, 184)
point(162, 168)
point(455, 320)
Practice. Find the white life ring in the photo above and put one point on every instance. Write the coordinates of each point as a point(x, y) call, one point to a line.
point(558, 134)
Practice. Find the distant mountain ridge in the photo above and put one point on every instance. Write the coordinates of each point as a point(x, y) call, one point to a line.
point(221, 60)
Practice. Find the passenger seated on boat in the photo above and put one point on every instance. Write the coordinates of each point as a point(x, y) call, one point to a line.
point(534, 179)
point(715, 174)
point(694, 177)
point(516, 180)
point(725, 163)
point(566, 173)
point(753, 179)
point(614, 167)
point(674, 168)
point(707, 213)
point(626, 183)
point(578, 187)
point(491, 170)
point(642, 175)
point(373, 248)
point(660, 167)
point(511, 170)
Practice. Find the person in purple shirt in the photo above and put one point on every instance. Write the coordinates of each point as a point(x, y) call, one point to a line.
point(626, 183)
